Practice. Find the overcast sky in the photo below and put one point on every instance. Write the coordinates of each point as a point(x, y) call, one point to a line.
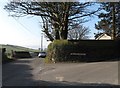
point(26, 31)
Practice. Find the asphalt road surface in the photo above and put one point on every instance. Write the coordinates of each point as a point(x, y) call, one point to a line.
point(34, 72)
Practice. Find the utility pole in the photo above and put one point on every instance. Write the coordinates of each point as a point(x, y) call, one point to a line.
point(41, 41)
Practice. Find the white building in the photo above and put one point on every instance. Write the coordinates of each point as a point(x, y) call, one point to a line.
point(103, 36)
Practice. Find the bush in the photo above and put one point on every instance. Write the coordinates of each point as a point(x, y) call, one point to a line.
point(22, 54)
point(49, 53)
point(61, 50)
point(4, 56)
point(56, 51)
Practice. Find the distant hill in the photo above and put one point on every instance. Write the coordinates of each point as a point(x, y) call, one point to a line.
point(16, 48)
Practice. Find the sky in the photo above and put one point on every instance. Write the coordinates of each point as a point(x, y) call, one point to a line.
point(26, 31)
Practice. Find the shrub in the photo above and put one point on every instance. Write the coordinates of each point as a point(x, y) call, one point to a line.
point(4, 56)
point(22, 54)
point(49, 53)
point(61, 50)
point(57, 51)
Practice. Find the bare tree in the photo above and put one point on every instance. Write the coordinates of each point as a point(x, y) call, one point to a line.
point(78, 33)
point(59, 15)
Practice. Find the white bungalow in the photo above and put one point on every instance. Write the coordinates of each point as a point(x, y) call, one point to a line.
point(103, 36)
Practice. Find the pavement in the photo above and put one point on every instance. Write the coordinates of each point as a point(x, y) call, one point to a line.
point(34, 72)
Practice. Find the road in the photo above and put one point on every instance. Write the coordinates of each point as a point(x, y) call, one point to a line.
point(33, 72)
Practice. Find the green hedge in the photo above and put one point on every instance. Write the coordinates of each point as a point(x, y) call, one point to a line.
point(62, 50)
point(4, 56)
point(56, 51)
point(21, 54)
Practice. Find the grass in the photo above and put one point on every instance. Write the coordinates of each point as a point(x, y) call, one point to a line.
point(16, 48)
point(8, 54)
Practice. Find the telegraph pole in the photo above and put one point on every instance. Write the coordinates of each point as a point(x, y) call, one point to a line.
point(41, 41)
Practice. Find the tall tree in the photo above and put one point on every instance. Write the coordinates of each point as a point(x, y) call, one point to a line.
point(56, 16)
point(109, 22)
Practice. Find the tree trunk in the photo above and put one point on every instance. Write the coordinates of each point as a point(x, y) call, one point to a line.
point(57, 35)
point(64, 31)
point(113, 18)
point(64, 34)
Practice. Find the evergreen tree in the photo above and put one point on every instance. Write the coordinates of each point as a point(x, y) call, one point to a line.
point(110, 19)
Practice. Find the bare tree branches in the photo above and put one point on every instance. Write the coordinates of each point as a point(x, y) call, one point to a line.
point(60, 15)
point(79, 32)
